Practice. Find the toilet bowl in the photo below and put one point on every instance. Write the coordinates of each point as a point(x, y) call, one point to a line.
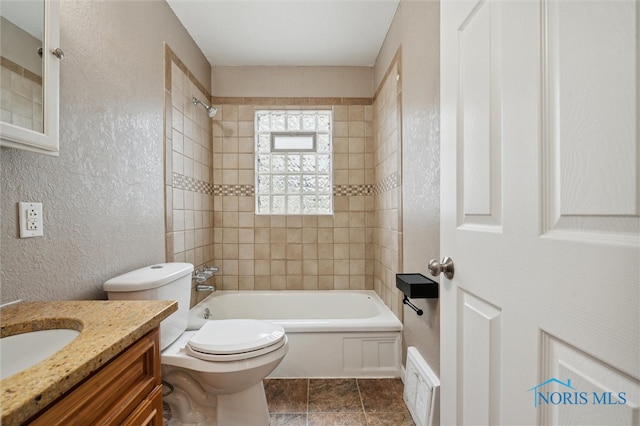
point(221, 367)
point(212, 376)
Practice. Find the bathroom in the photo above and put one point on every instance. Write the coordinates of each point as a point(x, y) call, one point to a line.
point(108, 208)
point(104, 196)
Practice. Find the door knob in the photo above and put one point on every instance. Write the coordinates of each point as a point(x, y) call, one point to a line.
point(446, 267)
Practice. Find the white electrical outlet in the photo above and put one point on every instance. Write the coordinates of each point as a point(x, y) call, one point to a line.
point(31, 224)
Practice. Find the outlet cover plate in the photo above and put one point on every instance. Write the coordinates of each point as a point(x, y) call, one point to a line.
point(31, 223)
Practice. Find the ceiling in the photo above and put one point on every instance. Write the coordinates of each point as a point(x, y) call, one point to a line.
point(287, 32)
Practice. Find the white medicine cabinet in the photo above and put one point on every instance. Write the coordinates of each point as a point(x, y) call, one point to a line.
point(30, 59)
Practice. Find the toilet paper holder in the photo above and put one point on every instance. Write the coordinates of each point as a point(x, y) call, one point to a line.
point(416, 286)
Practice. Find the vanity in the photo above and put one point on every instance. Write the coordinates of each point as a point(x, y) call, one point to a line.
point(108, 374)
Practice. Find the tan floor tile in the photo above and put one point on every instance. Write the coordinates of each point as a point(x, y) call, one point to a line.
point(389, 419)
point(335, 402)
point(336, 419)
point(382, 395)
point(286, 395)
point(287, 419)
point(334, 395)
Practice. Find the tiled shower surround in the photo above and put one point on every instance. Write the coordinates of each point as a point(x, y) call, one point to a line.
point(211, 196)
point(326, 252)
point(188, 170)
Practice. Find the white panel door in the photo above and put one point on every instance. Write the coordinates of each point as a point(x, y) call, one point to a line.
point(540, 212)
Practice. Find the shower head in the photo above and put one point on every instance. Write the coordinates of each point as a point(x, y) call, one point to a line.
point(211, 111)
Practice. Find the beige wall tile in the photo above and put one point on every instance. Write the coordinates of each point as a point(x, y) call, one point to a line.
point(262, 251)
point(278, 267)
point(294, 282)
point(192, 217)
point(278, 282)
point(310, 235)
point(306, 252)
point(246, 283)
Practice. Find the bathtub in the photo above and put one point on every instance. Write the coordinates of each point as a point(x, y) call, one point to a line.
point(332, 333)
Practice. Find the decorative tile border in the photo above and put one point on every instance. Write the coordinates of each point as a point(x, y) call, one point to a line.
point(195, 185)
point(387, 184)
point(191, 184)
point(234, 190)
point(349, 190)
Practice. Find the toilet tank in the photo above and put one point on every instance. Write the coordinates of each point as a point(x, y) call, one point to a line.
point(164, 281)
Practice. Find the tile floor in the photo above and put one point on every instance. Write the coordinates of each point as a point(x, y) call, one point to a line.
point(336, 402)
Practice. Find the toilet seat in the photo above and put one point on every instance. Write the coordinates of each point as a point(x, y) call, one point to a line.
point(235, 339)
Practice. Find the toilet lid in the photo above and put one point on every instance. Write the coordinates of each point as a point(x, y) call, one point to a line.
point(242, 356)
point(235, 336)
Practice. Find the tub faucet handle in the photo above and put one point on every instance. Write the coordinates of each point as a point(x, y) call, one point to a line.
point(199, 276)
point(209, 271)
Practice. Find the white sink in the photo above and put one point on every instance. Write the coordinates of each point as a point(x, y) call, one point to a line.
point(21, 351)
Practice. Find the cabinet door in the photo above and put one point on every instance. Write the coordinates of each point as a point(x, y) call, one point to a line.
point(149, 413)
point(116, 391)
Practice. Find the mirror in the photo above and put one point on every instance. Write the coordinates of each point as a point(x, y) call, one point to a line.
point(29, 75)
point(21, 26)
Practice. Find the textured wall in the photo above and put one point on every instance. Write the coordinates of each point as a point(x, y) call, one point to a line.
point(416, 28)
point(103, 196)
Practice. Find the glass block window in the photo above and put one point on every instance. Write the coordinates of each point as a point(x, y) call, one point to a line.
point(294, 172)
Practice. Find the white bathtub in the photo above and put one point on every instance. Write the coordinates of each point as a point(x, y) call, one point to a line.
point(332, 333)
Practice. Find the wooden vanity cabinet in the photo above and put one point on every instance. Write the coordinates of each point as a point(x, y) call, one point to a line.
point(126, 391)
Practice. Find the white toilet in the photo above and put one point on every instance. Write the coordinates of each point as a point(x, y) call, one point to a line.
point(215, 373)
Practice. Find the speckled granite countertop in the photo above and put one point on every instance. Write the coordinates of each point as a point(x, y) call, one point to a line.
point(107, 328)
